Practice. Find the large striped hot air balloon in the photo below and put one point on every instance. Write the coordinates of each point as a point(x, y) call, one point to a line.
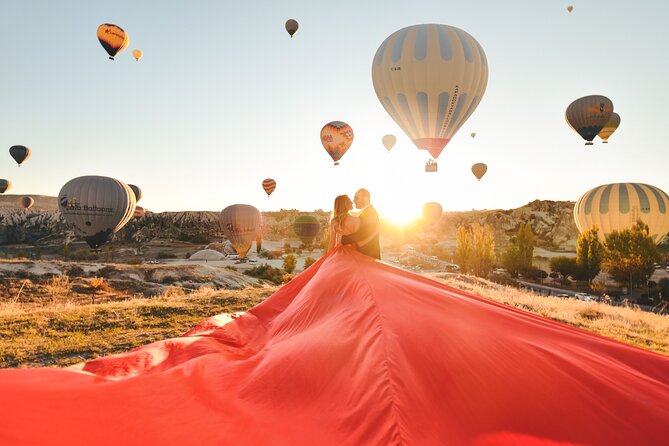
point(26, 202)
point(113, 39)
point(610, 127)
point(430, 79)
point(20, 153)
point(613, 207)
point(432, 212)
point(268, 186)
point(336, 137)
point(96, 206)
point(306, 227)
point(241, 224)
point(588, 115)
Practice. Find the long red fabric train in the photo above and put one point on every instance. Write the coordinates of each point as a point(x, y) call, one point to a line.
point(353, 352)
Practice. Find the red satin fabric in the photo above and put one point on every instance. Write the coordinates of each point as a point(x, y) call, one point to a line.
point(353, 352)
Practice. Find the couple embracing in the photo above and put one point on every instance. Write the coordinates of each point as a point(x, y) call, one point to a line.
point(360, 229)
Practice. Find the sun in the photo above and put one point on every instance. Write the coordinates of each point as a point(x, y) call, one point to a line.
point(397, 211)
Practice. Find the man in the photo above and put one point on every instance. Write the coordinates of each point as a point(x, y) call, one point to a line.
point(366, 239)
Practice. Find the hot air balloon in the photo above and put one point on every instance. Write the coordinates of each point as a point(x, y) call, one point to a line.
point(473, 135)
point(588, 115)
point(137, 191)
point(430, 79)
point(389, 141)
point(610, 127)
point(26, 202)
point(570, 8)
point(96, 206)
point(269, 185)
point(336, 137)
point(432, 212)
point(137, 54)
point(241, 225)
point(292, 27)
point(613, 207)
point(139, 213)
point(113, 39)
point(306, 227)
point(479, 169)
point(5, 185)
point(20, 153)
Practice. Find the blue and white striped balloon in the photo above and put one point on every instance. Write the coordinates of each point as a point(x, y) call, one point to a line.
point(430, 79)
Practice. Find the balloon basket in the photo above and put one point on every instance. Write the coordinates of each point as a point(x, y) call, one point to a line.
point(589, 143)
point(605, 142)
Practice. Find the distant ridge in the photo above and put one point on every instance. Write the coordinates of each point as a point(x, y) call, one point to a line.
point(42, 202)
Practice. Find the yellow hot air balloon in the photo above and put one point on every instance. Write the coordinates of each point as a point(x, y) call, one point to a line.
point(588, 115)
point(610, 127)
point(268, 186)
point(430, 79)
point(570, 8)
point(432, 212)
point(292, 26)
point(96, 206)
point(113, 39)
point(336, 137)
point(5, 185)
point(26, 202)
point(479, 169)
point(137, 54)
point(241, 224)
point(389, 141)
point(613, 207)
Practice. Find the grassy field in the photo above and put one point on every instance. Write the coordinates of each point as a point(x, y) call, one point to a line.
point(62, 330)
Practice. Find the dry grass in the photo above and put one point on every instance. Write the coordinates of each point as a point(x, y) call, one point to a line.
point(627, 324)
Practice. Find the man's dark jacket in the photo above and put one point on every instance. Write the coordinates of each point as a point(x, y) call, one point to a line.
point(369, 221)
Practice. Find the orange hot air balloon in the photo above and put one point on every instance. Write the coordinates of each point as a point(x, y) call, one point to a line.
point(137, 54)
point(337, 137)
point(113, 39)
point(269, 185)
point(432, 212)
point(139, 213)
point(479, 169)
point(26, 202)
point(610, 127)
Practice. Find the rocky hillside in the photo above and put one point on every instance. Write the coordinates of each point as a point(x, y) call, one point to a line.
point(552, 222)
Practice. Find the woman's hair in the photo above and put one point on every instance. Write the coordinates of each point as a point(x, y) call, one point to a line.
point(342, 205)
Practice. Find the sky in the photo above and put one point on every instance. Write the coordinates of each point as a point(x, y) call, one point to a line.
point(224, 98)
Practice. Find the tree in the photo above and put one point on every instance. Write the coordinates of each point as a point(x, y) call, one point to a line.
point(589, 254)
point(289, 263)
point(475, 251)
point(308, 262)
point(630, 255)
point(518, 257)
point(566, 266)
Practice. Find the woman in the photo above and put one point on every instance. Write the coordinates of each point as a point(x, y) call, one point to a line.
point(342, 222)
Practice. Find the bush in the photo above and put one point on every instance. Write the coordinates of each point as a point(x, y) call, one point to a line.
point(308, 262)
point(135, 261)
point(166, 255)
point(169, 279)
point(266, 272)
point(289, 263)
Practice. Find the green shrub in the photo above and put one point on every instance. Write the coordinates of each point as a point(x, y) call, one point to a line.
point(266, 272)
point(166, 255)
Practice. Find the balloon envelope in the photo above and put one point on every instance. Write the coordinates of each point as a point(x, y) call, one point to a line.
point(389, 141)
point(336, 137)
point(588, 115)
point(137, 191)
point(614, 207)
point(137, 54)
point(268, 186)
point(26, 202)
point(113, 39)
point(430, 79)
point(96, 206)
point(20, 153)
point(479, 169)
point(432, 212)
point(610, 127)
point(292, 26)
point(306, 227)
point(570, 8)
point(139, 213)
point(241, 225)
point(5, 185)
